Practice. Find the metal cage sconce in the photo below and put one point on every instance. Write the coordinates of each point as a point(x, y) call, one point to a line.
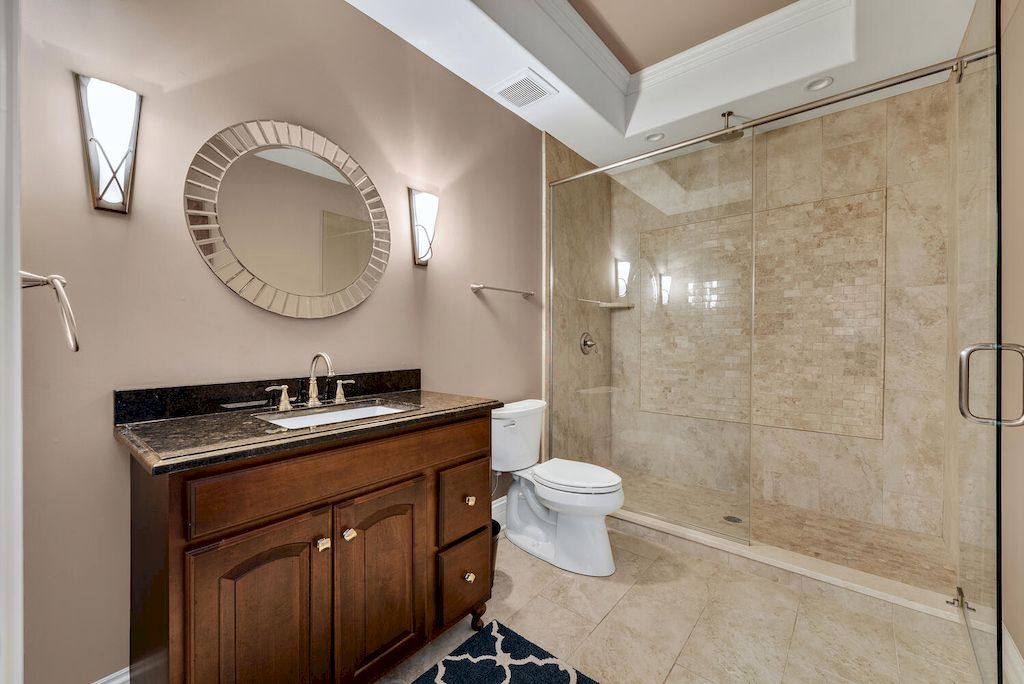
point(109, 115)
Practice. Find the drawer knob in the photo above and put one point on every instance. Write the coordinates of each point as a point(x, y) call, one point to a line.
point(469, 577)
point(471, 501)
point(323, 544)
point(349, 534)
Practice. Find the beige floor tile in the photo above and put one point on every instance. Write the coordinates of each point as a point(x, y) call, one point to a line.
point(937, 641)
point(770, 572)
point(640, 638)
point(831, 640)
point(915, 670)
point(844, 599)
point(553, 628)
point(638, 545)
point(593, 597)
point(744, 632)
point(680, 675)
point(517, 579)
point(797, 673)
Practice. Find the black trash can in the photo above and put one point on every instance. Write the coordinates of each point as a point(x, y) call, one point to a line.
point(495, 533)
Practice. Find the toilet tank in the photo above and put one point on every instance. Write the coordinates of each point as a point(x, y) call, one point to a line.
point(515, 435)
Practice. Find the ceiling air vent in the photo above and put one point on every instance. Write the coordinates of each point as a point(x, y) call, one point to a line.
point(523, 89)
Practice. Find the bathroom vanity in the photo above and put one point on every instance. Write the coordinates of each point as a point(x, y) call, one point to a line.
point(325, 553)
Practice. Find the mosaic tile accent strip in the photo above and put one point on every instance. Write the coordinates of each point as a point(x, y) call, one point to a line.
point(695, 327)
point(818, 321)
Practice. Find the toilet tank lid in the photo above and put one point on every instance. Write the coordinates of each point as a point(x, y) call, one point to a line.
point(519, 409)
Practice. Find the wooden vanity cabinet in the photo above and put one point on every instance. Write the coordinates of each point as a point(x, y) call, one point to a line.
point(259, 605)
point(317, 566)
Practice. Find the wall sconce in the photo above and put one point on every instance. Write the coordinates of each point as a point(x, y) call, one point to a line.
point(110, 128)
point(664, 287)
point(621, 277)
point(423, 218)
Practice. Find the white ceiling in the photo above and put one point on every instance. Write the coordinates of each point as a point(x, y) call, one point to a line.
point(642, 35)
point(604, 112)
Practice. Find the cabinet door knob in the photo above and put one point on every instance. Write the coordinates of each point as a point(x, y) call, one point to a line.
point(349, 534)
point(471, 501)
point(469, 577)
point(323, 544)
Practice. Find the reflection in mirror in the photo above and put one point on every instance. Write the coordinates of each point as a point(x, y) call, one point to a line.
point(295, 220)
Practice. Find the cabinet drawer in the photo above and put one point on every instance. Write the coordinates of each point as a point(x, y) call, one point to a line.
point(465, 576)
point(219, 502)
point(465, 493)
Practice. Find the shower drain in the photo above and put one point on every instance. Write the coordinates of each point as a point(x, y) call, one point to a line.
point(732, 519)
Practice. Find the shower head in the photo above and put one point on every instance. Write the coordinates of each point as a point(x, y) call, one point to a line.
point(727, 136)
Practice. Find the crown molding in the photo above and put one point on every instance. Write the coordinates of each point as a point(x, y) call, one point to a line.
point(566, 18)
point(764, 28)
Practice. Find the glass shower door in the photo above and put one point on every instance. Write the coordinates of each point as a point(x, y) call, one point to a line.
point(977, 315)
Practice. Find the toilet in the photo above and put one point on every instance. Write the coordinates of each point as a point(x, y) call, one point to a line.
point(556, 509)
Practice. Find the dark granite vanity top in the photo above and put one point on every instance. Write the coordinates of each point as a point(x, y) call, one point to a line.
point(174, 444)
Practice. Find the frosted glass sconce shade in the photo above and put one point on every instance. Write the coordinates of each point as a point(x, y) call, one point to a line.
point(110, 128)
point(423, 217)
point(621, 277)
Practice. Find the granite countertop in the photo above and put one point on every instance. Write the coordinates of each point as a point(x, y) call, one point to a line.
point(177, 444)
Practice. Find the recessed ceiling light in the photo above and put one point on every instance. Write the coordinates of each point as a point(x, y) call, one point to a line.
point(820, 83)
point(655, 137)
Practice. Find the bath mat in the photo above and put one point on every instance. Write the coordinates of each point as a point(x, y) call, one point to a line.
point(497, 655)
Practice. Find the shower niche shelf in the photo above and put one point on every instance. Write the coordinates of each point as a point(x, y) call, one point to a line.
point(605, 305)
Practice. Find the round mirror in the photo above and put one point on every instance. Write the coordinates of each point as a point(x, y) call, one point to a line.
point(286, 219)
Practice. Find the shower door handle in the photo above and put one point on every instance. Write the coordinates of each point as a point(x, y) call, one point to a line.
point(965, 383)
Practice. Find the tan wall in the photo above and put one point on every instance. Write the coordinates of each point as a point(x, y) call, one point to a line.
point(151, 313)
point(1013, 312)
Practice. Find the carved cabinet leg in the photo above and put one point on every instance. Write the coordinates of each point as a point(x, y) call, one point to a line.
point(478, 617)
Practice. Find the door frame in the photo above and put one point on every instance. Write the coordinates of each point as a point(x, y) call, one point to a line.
point(11, 530)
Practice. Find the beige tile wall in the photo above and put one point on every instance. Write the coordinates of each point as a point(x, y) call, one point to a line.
point(849, 364)
point(580, 389)
point(681, 370)
point(890, 161)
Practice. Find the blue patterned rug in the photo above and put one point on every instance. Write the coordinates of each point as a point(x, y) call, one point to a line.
point(497, 655)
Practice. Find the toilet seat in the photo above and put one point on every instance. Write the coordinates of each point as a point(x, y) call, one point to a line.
point(576, 477)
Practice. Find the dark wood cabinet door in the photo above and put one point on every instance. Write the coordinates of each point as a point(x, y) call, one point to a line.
point(380, 593)
point(259, 605)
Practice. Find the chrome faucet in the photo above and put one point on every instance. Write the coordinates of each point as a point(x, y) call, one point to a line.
point(314, 391)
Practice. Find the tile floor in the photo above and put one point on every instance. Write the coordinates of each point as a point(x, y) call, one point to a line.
point(672, 617)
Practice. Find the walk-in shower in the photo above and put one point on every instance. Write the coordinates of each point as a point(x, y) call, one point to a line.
point(774, 321)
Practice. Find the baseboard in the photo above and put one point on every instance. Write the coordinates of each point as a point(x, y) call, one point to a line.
point(1013, 663)
point(119, 677)
point(498, 510)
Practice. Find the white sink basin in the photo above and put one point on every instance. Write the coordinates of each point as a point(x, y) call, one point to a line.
point(338, 415)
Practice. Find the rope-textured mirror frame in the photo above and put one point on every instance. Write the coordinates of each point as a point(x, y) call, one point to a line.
point(202, 187)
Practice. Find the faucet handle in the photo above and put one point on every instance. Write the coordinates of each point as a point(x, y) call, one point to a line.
point(339, 393)
point(284, 404)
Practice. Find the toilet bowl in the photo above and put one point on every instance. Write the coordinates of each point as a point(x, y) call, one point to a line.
point(556, 509)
